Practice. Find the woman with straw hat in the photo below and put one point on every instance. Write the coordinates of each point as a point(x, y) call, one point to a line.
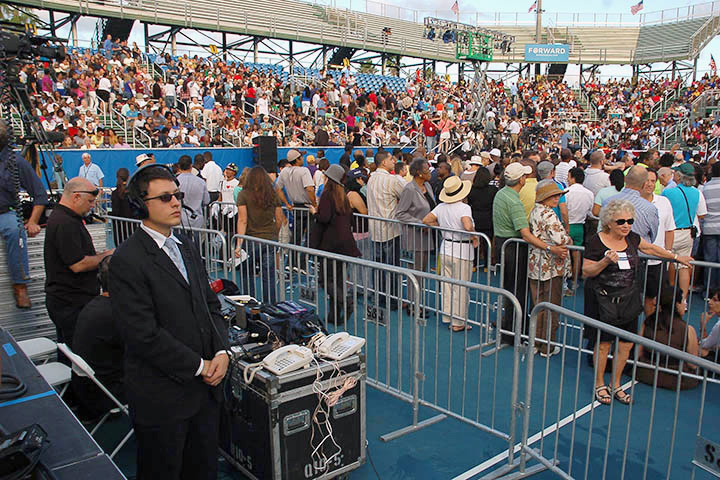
point(457, 250)
point(546, 271)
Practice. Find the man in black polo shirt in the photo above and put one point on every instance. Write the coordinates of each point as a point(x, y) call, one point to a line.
point(11, 230)
point(70, 259)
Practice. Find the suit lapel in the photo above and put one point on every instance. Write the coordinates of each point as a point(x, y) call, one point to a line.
point(162, 260)
point(193, 274)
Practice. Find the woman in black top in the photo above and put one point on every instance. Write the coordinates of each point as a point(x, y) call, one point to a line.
point(334, 215)
point(610, 265)
point(480, 200)
point(121, 207)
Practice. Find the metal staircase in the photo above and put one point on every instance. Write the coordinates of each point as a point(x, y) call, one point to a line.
point(587, 104)
point(704, 35)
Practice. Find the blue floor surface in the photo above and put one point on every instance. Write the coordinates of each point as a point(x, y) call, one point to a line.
point(604, 442)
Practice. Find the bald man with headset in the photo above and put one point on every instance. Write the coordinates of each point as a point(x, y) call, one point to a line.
point(175, 341)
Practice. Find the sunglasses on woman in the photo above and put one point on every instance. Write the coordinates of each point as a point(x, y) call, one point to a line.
point(166, 197)
point(623, 221)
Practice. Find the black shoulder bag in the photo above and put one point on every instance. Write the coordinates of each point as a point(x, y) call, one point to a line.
point(693, 228)
point(618, 308)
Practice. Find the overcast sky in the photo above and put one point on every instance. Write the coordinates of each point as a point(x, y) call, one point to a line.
point(469, 10)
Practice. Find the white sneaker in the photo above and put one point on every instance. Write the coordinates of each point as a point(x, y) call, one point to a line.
point(554, 351)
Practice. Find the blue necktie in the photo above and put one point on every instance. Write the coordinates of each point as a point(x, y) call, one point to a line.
point(174, 254)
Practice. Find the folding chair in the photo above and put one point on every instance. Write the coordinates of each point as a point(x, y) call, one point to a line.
point(38, 348)
point(56, 374)
point(82, 369)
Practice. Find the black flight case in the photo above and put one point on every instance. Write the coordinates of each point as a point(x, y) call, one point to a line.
point(267, 425)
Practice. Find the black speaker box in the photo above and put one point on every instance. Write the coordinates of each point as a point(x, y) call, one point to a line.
point(265, 148)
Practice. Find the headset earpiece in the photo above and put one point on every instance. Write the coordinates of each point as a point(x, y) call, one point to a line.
point(136, 198)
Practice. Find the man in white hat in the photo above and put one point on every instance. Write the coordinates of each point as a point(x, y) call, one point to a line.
point(143, 159)
point(473, 165)
point(510, 221)
point(485, 158)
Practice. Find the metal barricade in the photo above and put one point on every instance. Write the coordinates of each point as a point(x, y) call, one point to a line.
point(411, 352)
point(653, 274)
point(119, 229)
point(222, 217)
point(328, 282)
point(421, 247)
point(652, 437)
point(299, 224)
point(211, 243)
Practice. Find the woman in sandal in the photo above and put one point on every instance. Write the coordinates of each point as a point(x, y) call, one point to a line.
point(611, 267)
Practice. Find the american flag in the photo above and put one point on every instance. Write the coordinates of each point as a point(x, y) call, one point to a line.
point(455, 8)
point(636, 8)
point(533, 7)
point(713, 66)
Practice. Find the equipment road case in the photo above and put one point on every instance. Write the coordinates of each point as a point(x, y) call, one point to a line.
point(267, 425)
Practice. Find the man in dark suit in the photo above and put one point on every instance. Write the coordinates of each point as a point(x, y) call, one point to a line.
point(175, 341)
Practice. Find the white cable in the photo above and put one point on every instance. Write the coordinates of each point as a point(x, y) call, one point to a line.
point(253, 368)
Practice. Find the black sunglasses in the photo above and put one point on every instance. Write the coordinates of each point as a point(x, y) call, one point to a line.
point(166, 197)
point(621, 221)
point(94, 193)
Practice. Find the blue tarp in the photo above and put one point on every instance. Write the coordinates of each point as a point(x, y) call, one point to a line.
point(110, 160)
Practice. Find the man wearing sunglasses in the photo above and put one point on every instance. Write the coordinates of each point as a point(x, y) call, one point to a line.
point(71, 261)
point(170, 322)
point(647, 219)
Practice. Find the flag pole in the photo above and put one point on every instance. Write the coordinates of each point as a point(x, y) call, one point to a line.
point(538, 30)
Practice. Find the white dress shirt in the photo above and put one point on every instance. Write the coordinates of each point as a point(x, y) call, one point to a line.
point(383, 193)
point(213, 175)
point(579, 203)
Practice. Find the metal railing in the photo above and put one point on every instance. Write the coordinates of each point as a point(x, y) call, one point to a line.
point(615, 440)
point(660, 107)
point(652, 277)
point(410, 351)
point(699, 106)
point(212, 244)
point(671, 15)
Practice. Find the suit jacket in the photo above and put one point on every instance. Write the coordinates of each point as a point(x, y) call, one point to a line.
point(412, 208)
point(165, 327)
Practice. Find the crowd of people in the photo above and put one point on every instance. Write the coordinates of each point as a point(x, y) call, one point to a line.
point(614, 205)
point(111, 97)
point(460, 178)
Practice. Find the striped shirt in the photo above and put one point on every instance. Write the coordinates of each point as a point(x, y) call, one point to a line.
point(508, 214)
point(647, 220)
point(383, 193)
point(711, 192)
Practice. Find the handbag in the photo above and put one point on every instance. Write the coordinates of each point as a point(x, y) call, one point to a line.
point(621, 307)
point(693, 228)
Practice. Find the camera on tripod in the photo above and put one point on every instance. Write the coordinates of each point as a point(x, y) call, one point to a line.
point(27, 46)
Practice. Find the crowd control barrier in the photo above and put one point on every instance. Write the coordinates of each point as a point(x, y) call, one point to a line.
point(211, 243)
point(411, 352)
point(667, 431)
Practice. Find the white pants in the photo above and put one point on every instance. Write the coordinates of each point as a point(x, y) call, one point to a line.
point(455, 299)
